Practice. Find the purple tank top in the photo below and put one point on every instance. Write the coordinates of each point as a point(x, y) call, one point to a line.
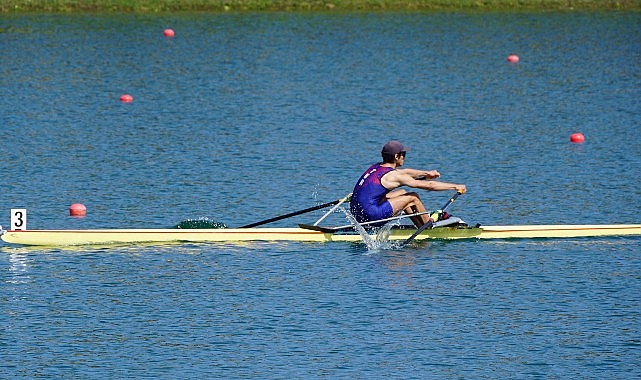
point(369, 193)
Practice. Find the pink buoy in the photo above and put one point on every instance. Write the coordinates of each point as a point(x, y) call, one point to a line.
point(126, 98)
point(577, 138)
point(513, 58)
point(168, 33)
point(77, 210)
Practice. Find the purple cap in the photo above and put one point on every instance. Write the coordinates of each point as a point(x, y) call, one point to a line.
point(394, 147)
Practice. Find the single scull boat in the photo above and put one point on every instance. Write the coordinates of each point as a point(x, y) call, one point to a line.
point(133, 236)
point(449, 228)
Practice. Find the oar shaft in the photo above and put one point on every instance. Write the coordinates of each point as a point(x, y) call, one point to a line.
point(429, 224)
point(291, 214)
point(345, 199)
point(384, 220)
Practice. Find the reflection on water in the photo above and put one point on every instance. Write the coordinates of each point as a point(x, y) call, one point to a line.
point(18, 271)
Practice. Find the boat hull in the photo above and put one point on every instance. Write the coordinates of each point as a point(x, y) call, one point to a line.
point(129, 236)
point(559, 231)
point(135, 236)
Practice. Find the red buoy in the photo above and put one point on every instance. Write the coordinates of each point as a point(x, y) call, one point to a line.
point(577, 138)
point(78, 210)
point(126, 98)
point(513, 58)
point(168, 33)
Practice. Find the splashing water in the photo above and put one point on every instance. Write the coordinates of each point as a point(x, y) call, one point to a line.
point(380, 242)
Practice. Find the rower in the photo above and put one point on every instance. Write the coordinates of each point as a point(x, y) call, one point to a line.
point(376, 195)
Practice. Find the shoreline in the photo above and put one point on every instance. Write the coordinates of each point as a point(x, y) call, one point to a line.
point(221, 6)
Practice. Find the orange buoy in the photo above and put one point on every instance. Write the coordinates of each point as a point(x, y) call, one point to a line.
point(513, 58)
point(78, 210)
point(577, 138)
point(126, 98)
point(168, 33)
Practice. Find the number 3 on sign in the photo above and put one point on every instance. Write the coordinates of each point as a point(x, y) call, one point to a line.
point(18, 218)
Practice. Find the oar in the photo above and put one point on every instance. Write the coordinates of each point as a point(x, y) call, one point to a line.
point(347, 227)
point(428, 224)
point(295, 213)
point(344, 199)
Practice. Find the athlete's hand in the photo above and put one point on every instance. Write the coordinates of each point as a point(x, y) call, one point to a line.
point(431, 174)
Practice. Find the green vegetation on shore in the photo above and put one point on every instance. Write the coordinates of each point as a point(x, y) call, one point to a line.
point(151, 6)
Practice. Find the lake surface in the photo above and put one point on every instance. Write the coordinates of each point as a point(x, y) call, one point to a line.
point(241, 117)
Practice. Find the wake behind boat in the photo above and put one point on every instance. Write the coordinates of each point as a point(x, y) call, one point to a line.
point(450, 228)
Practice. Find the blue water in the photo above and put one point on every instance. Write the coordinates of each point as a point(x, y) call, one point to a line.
point(242, 117)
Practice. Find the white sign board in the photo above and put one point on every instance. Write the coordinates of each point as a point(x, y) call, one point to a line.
point(18, 219)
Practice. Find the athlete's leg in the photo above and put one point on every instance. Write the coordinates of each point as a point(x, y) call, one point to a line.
point(410, 203)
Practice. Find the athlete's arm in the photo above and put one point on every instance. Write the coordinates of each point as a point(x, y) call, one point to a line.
point(399, 178)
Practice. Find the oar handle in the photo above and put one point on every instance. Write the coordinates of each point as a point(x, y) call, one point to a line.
point(451, 200)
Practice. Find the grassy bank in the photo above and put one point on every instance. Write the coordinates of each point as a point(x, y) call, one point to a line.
point(25, 6)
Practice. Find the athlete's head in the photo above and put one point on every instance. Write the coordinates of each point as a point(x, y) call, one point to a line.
point(391, 149)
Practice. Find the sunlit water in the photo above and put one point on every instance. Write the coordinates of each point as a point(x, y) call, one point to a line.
point(242, 117)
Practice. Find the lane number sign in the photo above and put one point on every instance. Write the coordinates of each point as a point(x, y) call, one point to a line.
point(18, 218)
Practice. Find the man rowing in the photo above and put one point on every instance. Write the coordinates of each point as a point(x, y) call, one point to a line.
point(375, 198)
